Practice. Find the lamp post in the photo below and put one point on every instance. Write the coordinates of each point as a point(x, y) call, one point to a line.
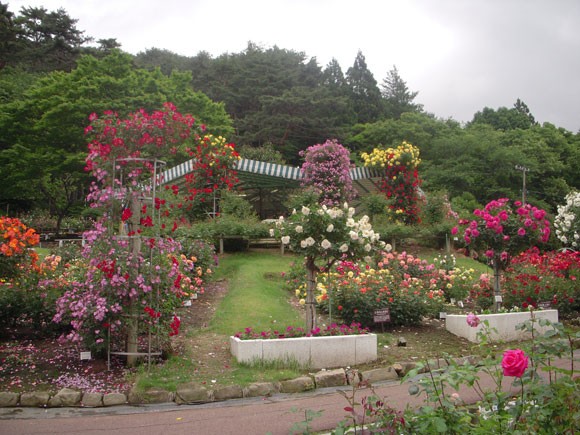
point(524, 170)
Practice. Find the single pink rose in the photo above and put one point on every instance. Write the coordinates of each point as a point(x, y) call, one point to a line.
point(454, 230)
point(473, 320)
point(514, 363)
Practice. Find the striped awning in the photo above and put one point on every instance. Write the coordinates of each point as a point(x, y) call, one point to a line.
point(267, 169)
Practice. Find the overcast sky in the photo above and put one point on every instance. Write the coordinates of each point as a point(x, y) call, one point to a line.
point(460, 55)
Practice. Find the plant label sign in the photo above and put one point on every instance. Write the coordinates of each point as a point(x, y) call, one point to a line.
point(381, 316)
point(85, 356)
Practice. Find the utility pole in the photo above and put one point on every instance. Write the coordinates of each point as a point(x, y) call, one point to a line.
point(524, 170)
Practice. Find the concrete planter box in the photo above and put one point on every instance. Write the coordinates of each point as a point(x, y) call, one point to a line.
point(505, 323)
point(312, 352)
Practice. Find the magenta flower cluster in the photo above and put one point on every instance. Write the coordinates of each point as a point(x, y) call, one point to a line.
point(504, 228)
point(293, 332)
point(326, 169)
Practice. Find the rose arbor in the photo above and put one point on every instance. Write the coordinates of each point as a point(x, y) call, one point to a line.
point(135, 277)
point(324, 235)
point(502, 230)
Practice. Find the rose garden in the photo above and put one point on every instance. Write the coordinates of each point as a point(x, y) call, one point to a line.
point(135, 300)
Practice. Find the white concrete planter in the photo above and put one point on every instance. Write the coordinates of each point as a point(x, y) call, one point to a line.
point(504, 323)
point(312, 352)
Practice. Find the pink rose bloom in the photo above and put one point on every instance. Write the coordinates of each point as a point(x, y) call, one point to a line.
point(521, 232)
point(489, 253)
point(514, 363)
point(454, 230)
point(473, 320)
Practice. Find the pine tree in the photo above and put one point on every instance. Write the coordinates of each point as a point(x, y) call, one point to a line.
point(397, 96)
point(364, 92)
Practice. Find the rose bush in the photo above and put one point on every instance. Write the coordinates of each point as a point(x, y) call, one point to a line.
point(501, 230)
point(567, 222)
point(400, 181)
point(409, 287)
point(535, 277)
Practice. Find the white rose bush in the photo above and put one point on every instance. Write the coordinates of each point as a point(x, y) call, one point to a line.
point(567, 222)
point(324, 235)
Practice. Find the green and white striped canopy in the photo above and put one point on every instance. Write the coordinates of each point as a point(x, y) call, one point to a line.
point(256, 174)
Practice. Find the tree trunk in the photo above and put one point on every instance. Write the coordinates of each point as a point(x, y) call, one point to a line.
point(310, 299)
point(135, 250)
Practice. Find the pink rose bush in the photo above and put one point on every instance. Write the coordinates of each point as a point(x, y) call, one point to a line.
point(503, 229)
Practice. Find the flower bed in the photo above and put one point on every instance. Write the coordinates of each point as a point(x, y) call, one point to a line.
point(504, 324)
point(313, 352)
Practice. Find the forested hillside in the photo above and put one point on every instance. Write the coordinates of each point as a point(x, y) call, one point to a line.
point(53, 77)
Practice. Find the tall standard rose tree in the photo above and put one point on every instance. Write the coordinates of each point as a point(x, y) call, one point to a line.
point(323, 235)
point(501, 230)
point(326, 170)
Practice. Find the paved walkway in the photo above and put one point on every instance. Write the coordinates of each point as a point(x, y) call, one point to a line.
point(272, 415)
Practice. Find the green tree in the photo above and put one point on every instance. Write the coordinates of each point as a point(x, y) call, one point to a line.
point(166, 60)
point(47, 41)
point(506, 119)
point(365, 95)
point(397, 97)
point(8, 36)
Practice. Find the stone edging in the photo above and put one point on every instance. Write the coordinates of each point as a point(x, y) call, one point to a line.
point(192, 393)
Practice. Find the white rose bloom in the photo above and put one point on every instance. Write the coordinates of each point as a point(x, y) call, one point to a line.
point(310, 241)
point(325, 244)
point(343, 247)
point(345, 205)
point(303, 244)
point(388, 247)
point(320, 212)
point(330, 228)
point(350, 222)
point(293, 211)
point(353, 235)
point(286, 240)
point(305, 211)
point(299, 228)
point(271, 232)
point(368, 259)
point(368, 247)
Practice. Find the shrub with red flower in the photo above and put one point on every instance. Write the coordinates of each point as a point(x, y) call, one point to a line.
point(535, 277)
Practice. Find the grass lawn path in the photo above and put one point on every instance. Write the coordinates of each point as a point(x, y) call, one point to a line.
point(255, 297)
